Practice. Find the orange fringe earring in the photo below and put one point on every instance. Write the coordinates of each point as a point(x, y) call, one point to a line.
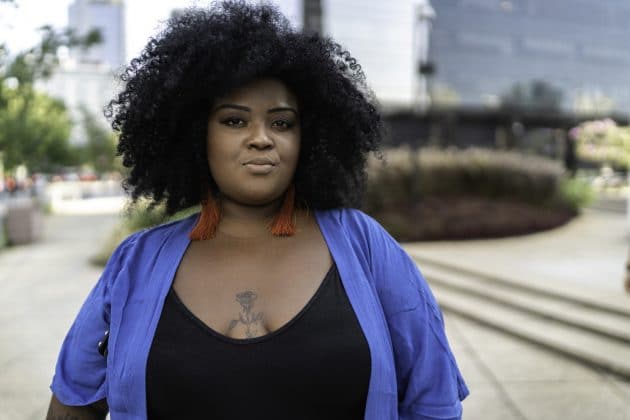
point(283, 224)
point(208, 221)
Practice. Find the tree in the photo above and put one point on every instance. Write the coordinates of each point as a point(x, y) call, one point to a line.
point(100, 148)
point(602, 142)
point(34, 128)
point(40, 61)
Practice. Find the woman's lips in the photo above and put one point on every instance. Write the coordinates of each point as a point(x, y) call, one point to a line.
point(259, 166)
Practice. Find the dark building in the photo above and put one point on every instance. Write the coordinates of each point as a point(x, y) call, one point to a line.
point(482, 49)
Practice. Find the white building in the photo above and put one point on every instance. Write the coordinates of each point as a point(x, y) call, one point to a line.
point(87, 78)
point(88, 85)
point(108, 16)
point(388, 38)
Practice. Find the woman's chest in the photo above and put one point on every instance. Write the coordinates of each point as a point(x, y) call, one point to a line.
point(317, 364)
point(246, 290)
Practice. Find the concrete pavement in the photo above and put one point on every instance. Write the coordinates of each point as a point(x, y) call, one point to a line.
point(43, 285)
point(588, 253)
point(41, 289)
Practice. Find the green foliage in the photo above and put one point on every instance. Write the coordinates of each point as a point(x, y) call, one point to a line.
point(4, 240)
point(575, 193)
point(472, 193)
point(406, 177)
point(99, 151)
point(34, 130)
point(40, 61)
point(602, 142)
point(142, 215)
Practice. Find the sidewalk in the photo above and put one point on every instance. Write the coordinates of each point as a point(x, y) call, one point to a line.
point(43, 286)
point(587, 253)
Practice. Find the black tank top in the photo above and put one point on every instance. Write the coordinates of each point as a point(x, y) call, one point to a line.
point(317, 366)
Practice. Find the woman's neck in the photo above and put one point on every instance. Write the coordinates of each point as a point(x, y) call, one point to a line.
point(244, 221)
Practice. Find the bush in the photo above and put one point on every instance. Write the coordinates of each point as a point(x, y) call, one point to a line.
point(454, 193)
point(575, 193)
point(408, 176)
point(602, 142)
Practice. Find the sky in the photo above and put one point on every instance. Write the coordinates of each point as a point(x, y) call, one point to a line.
point(18, 25)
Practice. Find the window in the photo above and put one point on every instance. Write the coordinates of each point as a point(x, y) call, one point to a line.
point(604, 53)
point(548, 46)
point(483, 41)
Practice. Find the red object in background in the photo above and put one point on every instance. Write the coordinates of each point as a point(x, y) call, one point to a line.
point(88, 177)
point(10, 184)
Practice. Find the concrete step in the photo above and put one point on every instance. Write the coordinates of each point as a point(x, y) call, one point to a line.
point(569, 292)
point(574, 313)
point(586, 346)
point(579, 328)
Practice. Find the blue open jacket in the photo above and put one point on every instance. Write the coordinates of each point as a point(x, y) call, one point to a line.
point(413, 372)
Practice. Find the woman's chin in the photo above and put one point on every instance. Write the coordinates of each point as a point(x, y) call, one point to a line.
point(258, 199)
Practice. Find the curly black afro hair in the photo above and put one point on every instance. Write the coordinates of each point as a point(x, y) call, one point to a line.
point(162, 112)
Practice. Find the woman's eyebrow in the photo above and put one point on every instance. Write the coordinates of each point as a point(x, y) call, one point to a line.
point(247, 109)
point(282, 109)
point(239, 107)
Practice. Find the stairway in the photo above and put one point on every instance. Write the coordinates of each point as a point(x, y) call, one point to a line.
point(570, 322)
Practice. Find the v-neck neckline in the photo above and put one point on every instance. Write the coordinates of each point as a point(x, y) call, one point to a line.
point(181, 306)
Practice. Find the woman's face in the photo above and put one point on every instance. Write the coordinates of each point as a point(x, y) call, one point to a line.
point(254, 142)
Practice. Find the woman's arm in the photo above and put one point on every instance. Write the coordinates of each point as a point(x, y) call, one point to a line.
point(59, 411)
point(430, 385)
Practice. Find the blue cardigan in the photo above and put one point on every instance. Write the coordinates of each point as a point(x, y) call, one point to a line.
point(413, 372)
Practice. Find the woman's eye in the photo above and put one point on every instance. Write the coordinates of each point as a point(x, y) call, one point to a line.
point(282, 124)
point(233, 122)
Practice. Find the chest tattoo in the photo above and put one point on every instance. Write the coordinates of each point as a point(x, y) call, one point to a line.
point(250, 319)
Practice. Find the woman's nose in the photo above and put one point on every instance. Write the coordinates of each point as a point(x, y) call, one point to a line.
point(259, 138)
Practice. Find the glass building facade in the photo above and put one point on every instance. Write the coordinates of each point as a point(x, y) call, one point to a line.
point(483, 48)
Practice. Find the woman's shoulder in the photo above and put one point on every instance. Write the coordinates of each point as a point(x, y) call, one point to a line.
point(169, 227)
point(394, 273)
point(355, 220)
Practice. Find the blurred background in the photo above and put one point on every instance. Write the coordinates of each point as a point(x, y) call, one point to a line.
point(505, 176)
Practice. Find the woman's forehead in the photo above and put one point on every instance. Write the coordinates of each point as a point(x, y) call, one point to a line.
point(261, 91)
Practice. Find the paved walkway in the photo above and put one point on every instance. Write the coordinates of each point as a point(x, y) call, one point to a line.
point(42, 287)
point(44, 284)
point(589, 252)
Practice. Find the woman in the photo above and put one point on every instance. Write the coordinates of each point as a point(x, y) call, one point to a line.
point(277, 300)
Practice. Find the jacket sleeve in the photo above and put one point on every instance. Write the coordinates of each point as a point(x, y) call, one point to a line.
point(430, 385)
point(429, 382)
point(80, 374)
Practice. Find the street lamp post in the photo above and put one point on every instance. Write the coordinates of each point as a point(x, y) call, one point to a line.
point(424, 14)
point(312, 16)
